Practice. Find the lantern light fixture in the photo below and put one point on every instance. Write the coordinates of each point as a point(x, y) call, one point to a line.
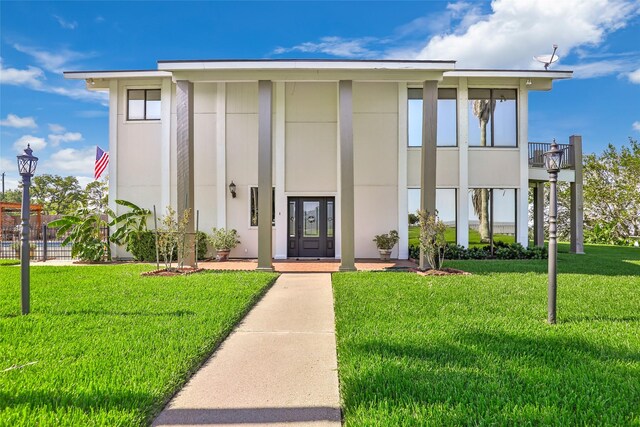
point(232, 189)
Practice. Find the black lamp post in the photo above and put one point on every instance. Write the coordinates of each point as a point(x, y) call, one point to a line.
point(552, 159)
point(26, 168)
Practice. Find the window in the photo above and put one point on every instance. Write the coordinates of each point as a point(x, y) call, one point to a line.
point(254, 206)
point(447, 135)
point(492, 118)
point(446, 205)
point(143, 104)
point(492, 216)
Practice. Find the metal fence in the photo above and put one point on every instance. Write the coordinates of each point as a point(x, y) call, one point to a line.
point(45, 243)
point(537, 150)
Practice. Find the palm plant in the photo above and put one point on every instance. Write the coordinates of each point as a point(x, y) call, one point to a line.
point(482, 109)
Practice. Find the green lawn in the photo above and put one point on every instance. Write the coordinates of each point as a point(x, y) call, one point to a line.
point(5, 262)
point(476, 350)
point(450, 236)
point(110, 347)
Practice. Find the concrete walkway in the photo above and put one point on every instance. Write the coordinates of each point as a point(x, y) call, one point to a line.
point(278, 368)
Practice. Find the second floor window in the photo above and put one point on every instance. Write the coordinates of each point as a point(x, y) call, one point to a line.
point(447, 135)
point(143, 104)
point(492, 118)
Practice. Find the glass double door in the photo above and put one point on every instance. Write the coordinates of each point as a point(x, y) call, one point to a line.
point(311, 229)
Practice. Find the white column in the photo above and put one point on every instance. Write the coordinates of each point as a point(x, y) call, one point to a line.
point(113, 153)
point(281, 199)
point(522, 193)
point(347, 233)
point(462, 217)
point(165, 145)
point(338, 205)
point(403, 203)
point(221, 155)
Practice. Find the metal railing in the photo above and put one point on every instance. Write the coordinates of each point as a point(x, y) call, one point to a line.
point(537, 150)
point(45, 243)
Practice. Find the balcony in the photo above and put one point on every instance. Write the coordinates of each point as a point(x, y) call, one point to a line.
point(537, 150)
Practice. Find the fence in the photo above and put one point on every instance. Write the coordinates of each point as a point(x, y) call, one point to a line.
point(537, 150)
point(45, 243)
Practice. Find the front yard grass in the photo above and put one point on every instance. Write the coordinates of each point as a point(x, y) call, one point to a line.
point(104, 346)
point(476, 350)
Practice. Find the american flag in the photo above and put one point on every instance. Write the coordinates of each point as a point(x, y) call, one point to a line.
point(102, 160)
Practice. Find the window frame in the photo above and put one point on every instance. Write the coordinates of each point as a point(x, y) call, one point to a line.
point(444, 93)
point(491, 98)
point(456, 203)
point(146, 100)
point(273, 207)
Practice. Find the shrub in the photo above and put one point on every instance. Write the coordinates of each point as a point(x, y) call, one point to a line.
point(142, 246)
point(432, 240)
point(224, 240)
point(386, 241)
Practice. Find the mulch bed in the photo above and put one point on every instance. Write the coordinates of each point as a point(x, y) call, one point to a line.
point(173, 272)
point(442, 272)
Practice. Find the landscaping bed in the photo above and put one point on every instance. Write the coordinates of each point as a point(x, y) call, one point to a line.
point(476, 350)
point(105, 346)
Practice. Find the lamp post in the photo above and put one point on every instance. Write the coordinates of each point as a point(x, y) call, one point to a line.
point(26, 168)
point(552, 159)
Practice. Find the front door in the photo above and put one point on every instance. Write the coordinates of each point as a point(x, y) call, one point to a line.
point(311, 227)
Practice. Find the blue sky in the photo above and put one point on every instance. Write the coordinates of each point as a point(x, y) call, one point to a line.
point(38, 40)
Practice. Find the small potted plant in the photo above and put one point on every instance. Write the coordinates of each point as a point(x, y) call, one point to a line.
point(385, 243)
point(223, 241)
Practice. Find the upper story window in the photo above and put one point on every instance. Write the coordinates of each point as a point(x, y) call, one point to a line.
point(492, 118)
point(143, 104)
point(447, 134)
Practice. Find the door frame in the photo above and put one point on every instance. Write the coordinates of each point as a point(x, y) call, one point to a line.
point(327, 244)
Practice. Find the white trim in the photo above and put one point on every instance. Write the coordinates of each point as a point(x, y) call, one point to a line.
point(522, 211)
point(338, 205)
point(403, 197)
point(113, 153)
point(526, 74)
point(307, 65)
point(114, 74)
point(165, 144)
point(280, 197)
point(462, 214)
point(221, 155)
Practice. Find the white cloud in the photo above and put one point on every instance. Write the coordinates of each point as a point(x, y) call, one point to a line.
point(636, 126)
point(55, 62)
point(56, 128)
point(634, 76)
point(68, 25)
point(14, 121)
point(336, 46)
point(74, 161)
point(31, 77)
point(36, 143)
point(56, 139)
point(516, 30)
point(601, 68)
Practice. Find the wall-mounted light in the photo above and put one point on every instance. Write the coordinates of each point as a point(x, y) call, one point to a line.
point(529, 82)
point(232, 189)
point(91, 82)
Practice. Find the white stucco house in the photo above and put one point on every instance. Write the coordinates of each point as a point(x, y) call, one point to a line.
point(338, 151)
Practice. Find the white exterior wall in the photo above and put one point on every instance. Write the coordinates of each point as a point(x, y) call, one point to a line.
point(310, 155)
point(205, 162)
point(375, 146)
point(311, 126)
point(138, 181)
point(242, 162)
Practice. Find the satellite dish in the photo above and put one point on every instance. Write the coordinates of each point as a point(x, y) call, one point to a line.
point(548, 59)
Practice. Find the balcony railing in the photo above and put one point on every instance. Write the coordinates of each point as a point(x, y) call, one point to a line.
point(537, 150)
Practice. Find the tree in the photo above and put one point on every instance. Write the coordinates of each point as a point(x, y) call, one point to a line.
point(11, 196)
point(57, 195)
point(612, 193)
point(482, 109)
point(96, 194)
